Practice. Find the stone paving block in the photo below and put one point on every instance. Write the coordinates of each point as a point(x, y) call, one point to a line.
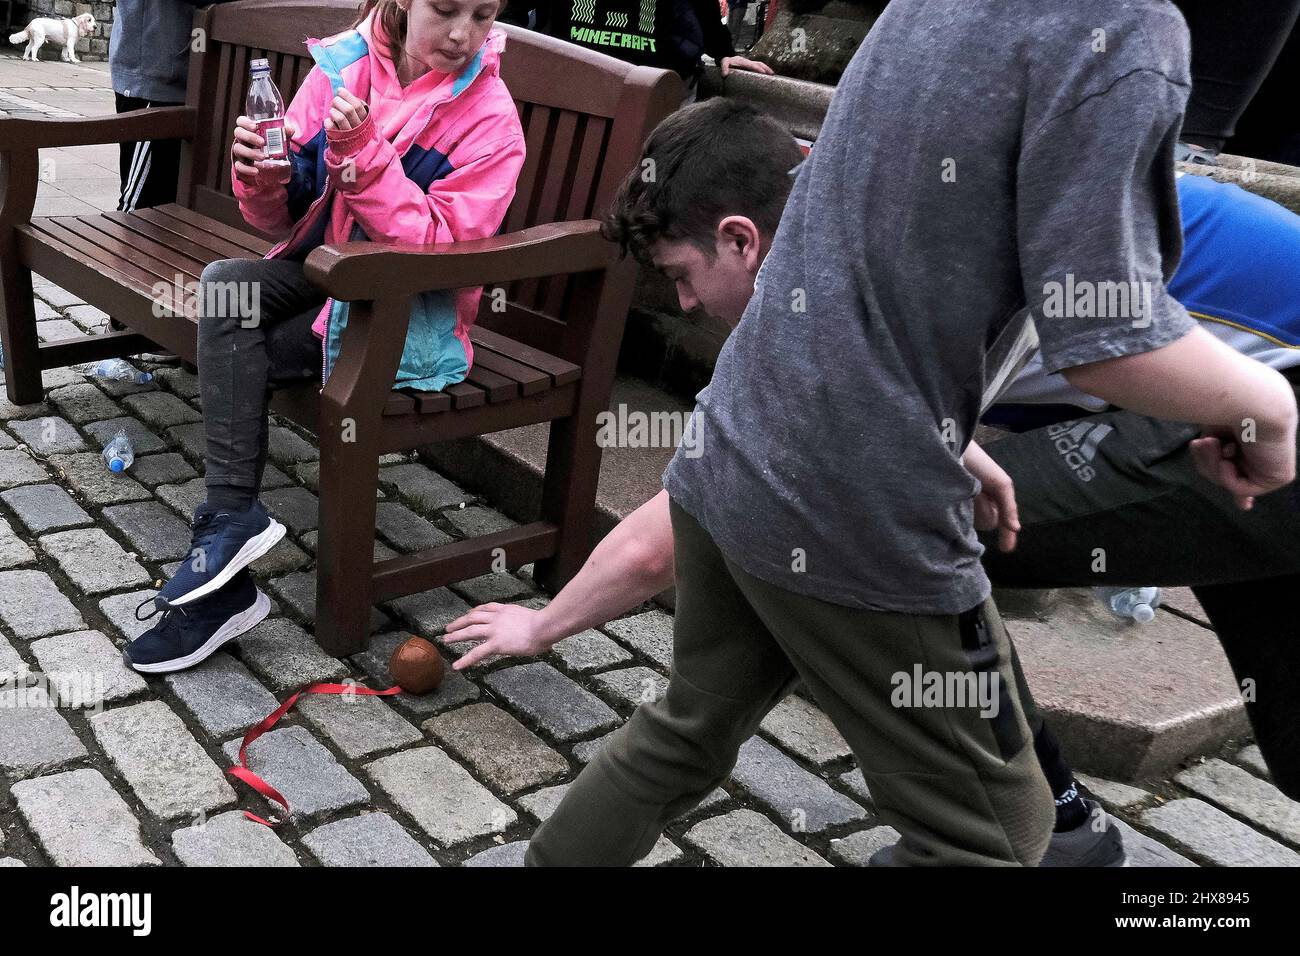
point(584, 751)
point(184, 498)
point(440, 795)
point(221, 695)
point(563, 709)
point(14, 671)
point(10, 412)
point(93, 561)
point(359, 725)
point(91, 479)
point(56, 296)
point(382, 551)
point(44, 312)
point(286, 448)
point(633, 686)
point(13, 549)
point(1141, 850)
point(455, 689)
point(542, 803)
point(178, 380)
point(1245, 795)
point(501, 751)
point(143, 441)
point(85, 669)
point(590, 650)
point(746, 838)
point(89, 318)
point(48, 435)
point(650, 632)
point(475, 520)
point(154, 531)
point(508, 854)
point(78, 820)
point(298, 592)
point(42, 508)
point(421, 487)
point(82, 403)
point(32, 606)
point(429, 613)
point(119, 388)
point(805, 731)
point(308, 472)
point(231, 839)
point(11, 861)
point(51, 330)
point(285, 558)
point(161, 409)
point(304, 771)
point(487, 588)
point(1120, 796)
point(296, 508)
point(191, 441)
point(372, 839)
point(857, 848)
point(60, 377)
point(273, 478)
point(168, 468)
point(1212, 834)
point(405, 530)
point(34, 737)
point(286, 657)
point(856, 784)
point(6, 440)
point(804, 801)
point(165, 766)
point(19, 468)
point(1249, 757)
point(120, 610)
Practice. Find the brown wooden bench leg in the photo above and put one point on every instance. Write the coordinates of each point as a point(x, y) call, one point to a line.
point(17, 313)
point(569, 495)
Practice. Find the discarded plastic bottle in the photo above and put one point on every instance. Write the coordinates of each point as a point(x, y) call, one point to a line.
point(265, 107)
point(2, 355)
point(119, 454)
point(123, 371)
point(1137, 604)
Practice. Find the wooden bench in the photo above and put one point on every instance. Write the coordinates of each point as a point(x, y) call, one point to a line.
point(549, 355)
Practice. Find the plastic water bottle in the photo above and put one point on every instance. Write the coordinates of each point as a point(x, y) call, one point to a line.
point(119, 454)
point(1137, 604)
point(265, 107)
point(123, 371)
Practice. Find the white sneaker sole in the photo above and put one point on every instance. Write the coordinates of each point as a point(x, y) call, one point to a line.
point(253, 549)
point(241, 623)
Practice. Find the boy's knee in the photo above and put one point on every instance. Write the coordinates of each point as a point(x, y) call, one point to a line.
point(225, 270)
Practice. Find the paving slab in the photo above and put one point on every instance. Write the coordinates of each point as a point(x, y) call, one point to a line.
point(298, 592)
point(286, 657)
point(303, 770)
point(168, 468)
point(422, 488)
point(34, 737)
point(856, 849)
point(17, 467)
point(14, 671)
point(222, 696)
point(429, 612)
point(650, 632)
point(1210, 833)
point(1154, 695)
point(83, 403)
point(161, 409)
point(1119, 796)
point(500, 750)
point(153, 530)
point(475, 520)
point(46, 507)
point(94, 483)
point(803, 801)
point(13, 550)
point(120, 610)
point(49, 435)
point(371, 839)
point(405, 530)
point(1247, 796)
point(508, 854)
point(359, 725)
point(231, 839)
point(143, 441)
point(632, 686)
point(440, 795)
point(297, 508)
point(489, 588)
point(1142, 851)
point(1252, 759)
point(747, 838)
point(589, 651)
point(559, 706)
point(93, 561)
point(79, 820)
point(805, 731)
point(31, 605)
point(85, 669)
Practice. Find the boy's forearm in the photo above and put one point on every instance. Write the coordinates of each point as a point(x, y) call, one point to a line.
point(1195, 379)
point(632, 564)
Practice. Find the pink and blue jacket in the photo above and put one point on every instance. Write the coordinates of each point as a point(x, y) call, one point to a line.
point(434, 162)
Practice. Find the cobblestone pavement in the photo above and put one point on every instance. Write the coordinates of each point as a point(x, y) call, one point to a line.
point(99, 765)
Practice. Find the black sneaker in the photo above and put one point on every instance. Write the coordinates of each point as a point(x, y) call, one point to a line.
point(222, 544)
point(189, 634)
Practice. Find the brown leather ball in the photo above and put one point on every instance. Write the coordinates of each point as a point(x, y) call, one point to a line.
point(417, 666)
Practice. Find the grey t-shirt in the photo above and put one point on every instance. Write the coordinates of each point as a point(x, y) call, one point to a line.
point(980, 163)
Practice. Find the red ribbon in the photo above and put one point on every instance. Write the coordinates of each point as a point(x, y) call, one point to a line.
point(241, 770)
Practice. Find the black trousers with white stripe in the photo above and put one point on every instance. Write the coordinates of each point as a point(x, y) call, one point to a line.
point(149, 169)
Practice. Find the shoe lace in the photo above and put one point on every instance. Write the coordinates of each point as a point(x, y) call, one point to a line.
point(168, 613)
point(204, 532)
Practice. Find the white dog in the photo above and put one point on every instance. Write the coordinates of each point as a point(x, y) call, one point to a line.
point(60, 30)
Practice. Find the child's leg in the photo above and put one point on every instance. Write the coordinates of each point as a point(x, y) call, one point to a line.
point(240, 357)
point(727, 674)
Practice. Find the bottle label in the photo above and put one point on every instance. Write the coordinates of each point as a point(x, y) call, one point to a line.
point(272, 130)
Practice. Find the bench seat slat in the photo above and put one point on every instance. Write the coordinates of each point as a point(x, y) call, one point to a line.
point(196, 243)
point(55, 232)
point(187, 265)
point(214, 227)
point(561, 372)
point(465, 395)
point(498, 387)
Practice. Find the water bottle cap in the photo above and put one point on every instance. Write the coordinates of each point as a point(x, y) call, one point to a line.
point(1143, 614)
point(260, 64)
point(116, 464)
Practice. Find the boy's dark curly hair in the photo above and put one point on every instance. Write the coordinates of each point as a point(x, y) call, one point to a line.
point(703, 163)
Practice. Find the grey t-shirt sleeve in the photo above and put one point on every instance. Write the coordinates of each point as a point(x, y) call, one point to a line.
point(1098, 223)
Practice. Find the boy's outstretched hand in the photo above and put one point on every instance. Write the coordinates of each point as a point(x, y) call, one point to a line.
point(995, 505)
point(730, 63)
point(506, 629)
point(246, 151)
point(346, 111)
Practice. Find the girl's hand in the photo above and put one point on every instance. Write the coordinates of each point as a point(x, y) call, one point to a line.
point(346, 111)
point(730, 63)
point(246, 151)
point(503, 628)
point(995, 505)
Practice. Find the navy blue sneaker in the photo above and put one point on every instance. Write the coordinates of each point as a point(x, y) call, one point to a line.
point(187, 635)
point(221, 544)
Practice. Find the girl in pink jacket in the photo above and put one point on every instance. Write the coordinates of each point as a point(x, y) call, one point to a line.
point(402, 132)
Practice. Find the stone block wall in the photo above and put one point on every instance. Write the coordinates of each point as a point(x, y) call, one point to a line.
point(93, 47)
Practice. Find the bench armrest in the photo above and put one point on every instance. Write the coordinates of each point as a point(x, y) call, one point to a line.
point(368, 270)
point(164, 122)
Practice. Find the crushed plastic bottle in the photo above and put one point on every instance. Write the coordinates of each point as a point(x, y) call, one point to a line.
point(123, 371)
point(119, 454)
point(1135, 604)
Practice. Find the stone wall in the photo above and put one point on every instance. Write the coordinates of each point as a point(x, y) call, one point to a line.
point(93, 47)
